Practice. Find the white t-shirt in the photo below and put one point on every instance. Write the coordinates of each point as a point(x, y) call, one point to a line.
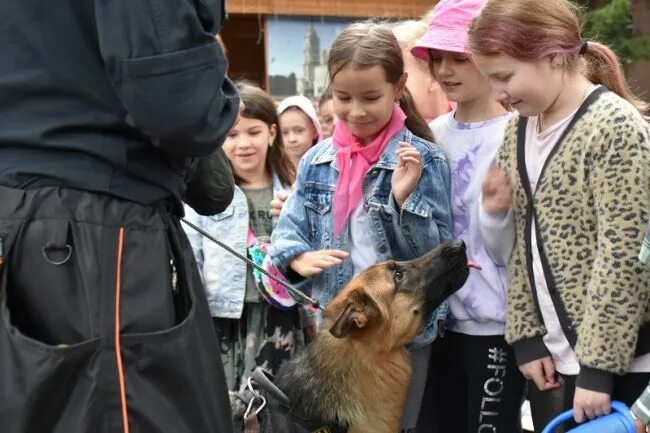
point(362, 253)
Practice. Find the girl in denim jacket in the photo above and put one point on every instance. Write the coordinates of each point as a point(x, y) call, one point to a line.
point(377, 189)
point(251, 332)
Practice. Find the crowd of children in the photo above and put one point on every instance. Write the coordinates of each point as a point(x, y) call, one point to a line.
point(490, 121)
point(494, 123)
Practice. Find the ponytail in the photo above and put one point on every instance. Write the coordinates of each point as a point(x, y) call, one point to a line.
point(603, 67)
point(414, 120)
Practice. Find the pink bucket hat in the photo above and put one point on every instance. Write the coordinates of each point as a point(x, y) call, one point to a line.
point(306, 107)
point(447, 31)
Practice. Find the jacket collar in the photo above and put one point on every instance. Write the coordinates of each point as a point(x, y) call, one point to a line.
point(388, 158)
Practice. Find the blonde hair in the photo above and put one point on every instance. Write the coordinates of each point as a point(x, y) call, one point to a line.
point(408, 33)
point(368, 44)
point(531, 30)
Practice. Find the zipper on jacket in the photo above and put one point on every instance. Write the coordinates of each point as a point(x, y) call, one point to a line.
point(172, 266)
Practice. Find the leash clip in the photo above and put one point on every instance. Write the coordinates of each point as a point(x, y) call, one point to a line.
point(256, 396)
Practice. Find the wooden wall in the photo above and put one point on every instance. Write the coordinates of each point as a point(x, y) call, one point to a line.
point(340, 8)
point(246, 45)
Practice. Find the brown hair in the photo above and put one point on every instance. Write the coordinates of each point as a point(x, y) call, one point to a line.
point(408, 33)
point(259, 105)
point(531, 30)
point(326, 96)
point(367, 44)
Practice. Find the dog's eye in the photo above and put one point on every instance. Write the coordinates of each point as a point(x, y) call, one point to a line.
point(398, 275)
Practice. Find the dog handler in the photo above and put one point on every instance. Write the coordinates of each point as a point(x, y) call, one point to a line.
point(104, 326)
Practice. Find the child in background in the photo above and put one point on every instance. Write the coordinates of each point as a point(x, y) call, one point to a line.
point(573, 180)
point(326, 114)
point(251, 332)
point(429, 98)
point(377, 190)
point(299, 127)
point(480, 385)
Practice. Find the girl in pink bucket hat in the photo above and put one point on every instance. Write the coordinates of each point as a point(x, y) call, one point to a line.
point(476, 379)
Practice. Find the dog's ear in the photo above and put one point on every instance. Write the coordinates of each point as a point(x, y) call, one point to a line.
point(358, 310)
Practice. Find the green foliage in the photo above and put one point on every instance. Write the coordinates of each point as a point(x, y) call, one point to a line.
point(612, 25)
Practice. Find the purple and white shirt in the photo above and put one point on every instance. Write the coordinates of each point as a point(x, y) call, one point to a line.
point(478, 308)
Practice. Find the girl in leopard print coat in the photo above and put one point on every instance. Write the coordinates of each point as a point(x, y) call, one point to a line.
point(572, 191)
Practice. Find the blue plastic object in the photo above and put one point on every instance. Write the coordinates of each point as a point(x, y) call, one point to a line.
point(618, 421)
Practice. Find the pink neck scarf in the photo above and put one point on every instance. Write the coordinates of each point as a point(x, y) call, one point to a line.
point(353, 160)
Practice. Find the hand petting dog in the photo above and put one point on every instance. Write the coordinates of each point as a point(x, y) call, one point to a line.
point(311, 263)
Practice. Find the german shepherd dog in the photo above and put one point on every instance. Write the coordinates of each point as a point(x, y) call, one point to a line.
point(354, 377)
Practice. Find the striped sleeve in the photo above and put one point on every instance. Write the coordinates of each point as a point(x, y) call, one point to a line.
point(641, 407)
point(644, 255)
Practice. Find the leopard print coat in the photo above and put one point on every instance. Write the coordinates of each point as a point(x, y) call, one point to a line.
point(591, 205)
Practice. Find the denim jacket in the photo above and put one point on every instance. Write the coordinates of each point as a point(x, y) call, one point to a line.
point(423, 221)
point(223, 274)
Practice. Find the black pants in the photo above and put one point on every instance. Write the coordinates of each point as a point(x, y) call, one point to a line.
point(474, 387)
point(546, 405)
point(103, 320)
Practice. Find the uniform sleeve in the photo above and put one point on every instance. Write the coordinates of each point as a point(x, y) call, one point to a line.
point(641, 407)
point(195, 238)
point(211, 186)
point(168, 70)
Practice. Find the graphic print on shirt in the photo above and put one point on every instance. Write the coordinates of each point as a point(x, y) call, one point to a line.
point(462, 172)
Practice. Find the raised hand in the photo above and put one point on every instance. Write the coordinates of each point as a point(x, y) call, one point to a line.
point(497, 191)
point(407, 173)
point(277, 203)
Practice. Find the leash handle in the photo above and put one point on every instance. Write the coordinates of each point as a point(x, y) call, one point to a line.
point(311, 301)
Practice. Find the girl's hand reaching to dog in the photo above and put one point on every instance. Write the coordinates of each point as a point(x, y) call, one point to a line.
point(407, 173)
point(497, 192)
point(311, 263)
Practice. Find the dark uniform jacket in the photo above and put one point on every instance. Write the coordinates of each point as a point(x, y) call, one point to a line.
point(111, 96)
point(105, 105)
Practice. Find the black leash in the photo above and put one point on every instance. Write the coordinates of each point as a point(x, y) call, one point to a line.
point(311, 301)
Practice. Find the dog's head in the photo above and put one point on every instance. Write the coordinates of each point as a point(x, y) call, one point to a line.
point(391, 299)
